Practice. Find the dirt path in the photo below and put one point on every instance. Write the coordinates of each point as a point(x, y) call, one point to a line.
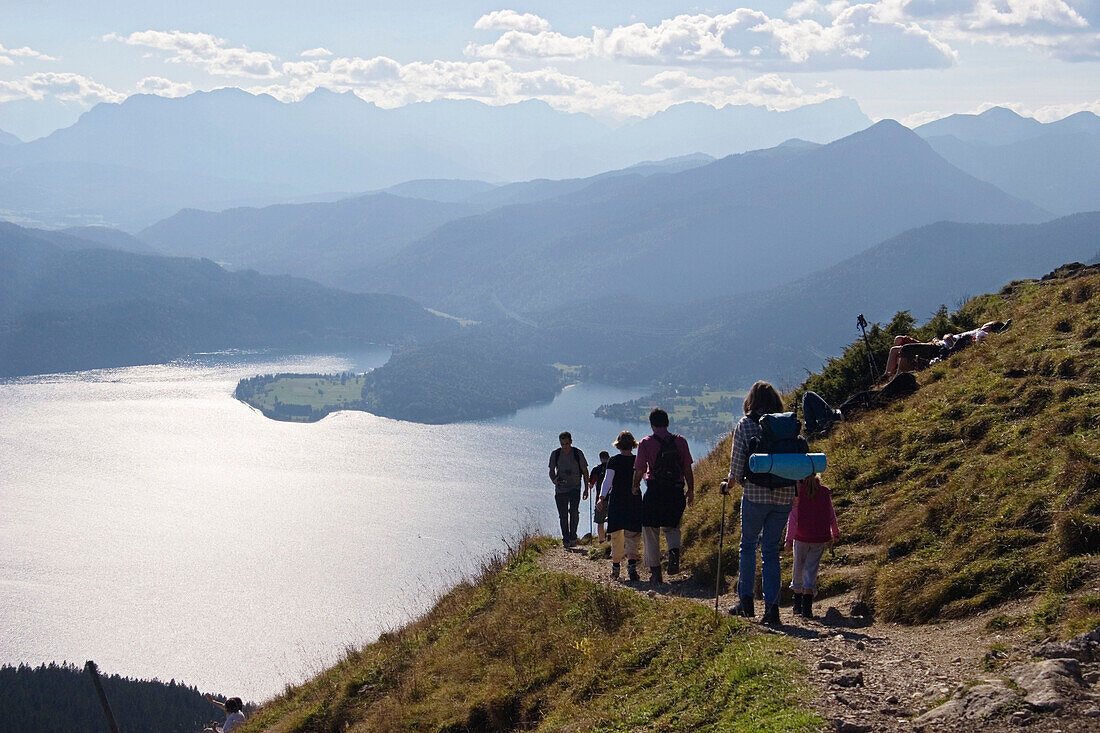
point(876, 676)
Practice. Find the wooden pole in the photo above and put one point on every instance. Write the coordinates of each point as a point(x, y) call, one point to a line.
point(94, 672)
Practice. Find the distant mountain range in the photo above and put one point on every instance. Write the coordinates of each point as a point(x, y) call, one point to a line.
point(68, 304)
point(237, 146)
point(6, 138)
point(741, 223)
point(1001, 126)
point(325, 241)
point(336, 242)
point(1054, 165)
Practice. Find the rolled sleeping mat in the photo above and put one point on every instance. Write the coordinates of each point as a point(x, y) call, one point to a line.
point(793, 466)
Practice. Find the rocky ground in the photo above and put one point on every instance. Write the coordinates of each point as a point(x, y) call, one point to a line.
point(870, 675)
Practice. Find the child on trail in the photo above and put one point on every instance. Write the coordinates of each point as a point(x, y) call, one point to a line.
point(811, 527)
point(623, 504)
point(596, 483)
point(234, 715)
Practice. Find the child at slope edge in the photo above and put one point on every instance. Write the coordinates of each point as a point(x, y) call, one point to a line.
point(812, 526)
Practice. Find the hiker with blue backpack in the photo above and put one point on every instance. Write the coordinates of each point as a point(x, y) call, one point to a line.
point(766, 498)
point(664, 461)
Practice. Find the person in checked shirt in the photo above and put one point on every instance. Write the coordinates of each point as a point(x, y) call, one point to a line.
point(764, 511)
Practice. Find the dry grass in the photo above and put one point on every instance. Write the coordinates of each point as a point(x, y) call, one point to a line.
point(520, 648)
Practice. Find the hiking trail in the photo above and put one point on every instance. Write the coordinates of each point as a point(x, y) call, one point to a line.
point(870, 675)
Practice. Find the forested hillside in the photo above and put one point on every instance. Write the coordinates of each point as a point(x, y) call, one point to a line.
point(60, 698)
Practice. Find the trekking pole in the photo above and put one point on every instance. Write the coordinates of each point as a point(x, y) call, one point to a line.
point(862, 323)
point(591, 513)
point(91, 669)
point(718, 572)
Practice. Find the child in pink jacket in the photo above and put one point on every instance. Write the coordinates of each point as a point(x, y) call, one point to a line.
point(811, 526)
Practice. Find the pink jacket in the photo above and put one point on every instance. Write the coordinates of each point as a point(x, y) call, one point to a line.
point(813, 519)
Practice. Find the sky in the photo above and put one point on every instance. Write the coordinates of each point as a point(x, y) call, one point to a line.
point(910, 60)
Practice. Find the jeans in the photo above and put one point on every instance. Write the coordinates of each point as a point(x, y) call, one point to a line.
point(763, 524)
point(807, 559)
point(569, 513)
point(818, 414)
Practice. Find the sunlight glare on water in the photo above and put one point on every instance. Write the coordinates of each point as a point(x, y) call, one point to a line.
point(151, 522)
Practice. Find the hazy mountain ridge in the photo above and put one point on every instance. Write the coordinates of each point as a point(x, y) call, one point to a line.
point(1001, 126)
point(71, 309)
point(340, 141)
point(1055, 165)
point(164, 152)
point(1058, 171)
point(335, 243)
point(323, 241)
point(740, 223)
point(61, 193)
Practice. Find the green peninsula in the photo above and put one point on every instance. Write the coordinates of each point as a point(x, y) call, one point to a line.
point(302, 397)
point(442, 382)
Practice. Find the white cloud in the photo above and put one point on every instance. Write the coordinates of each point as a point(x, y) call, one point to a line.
point(64, 86)
point(545, 45)
point(7, 55)
point(1021, 13)
point(162, 87)
point(854, 37)
point(205, 51)
point(315, 53)
point(1052, 27)
point(510, 20)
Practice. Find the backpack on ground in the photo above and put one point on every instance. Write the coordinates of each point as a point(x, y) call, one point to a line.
point(780, 432)
point(667, 466)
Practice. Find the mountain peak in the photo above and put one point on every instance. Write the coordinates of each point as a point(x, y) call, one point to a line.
point(1001, 114)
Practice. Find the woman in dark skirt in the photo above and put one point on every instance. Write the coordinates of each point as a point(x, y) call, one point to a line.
point(624, 507)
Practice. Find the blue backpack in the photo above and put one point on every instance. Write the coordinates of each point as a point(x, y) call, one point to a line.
point(780, 432)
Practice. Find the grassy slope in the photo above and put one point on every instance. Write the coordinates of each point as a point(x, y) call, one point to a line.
point(523, 648)
point(982, 486)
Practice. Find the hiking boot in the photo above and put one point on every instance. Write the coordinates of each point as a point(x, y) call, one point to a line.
point(807, 605)
point(632, 570)
point(771, 614)
point(615, 570)
point(655, 576)
point(744, 608)
point(673, 560)
point(796, 607)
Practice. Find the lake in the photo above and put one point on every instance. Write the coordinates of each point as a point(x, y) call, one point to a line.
point(156, 525)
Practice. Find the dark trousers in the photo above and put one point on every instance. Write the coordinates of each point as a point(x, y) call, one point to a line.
point(569, 513)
